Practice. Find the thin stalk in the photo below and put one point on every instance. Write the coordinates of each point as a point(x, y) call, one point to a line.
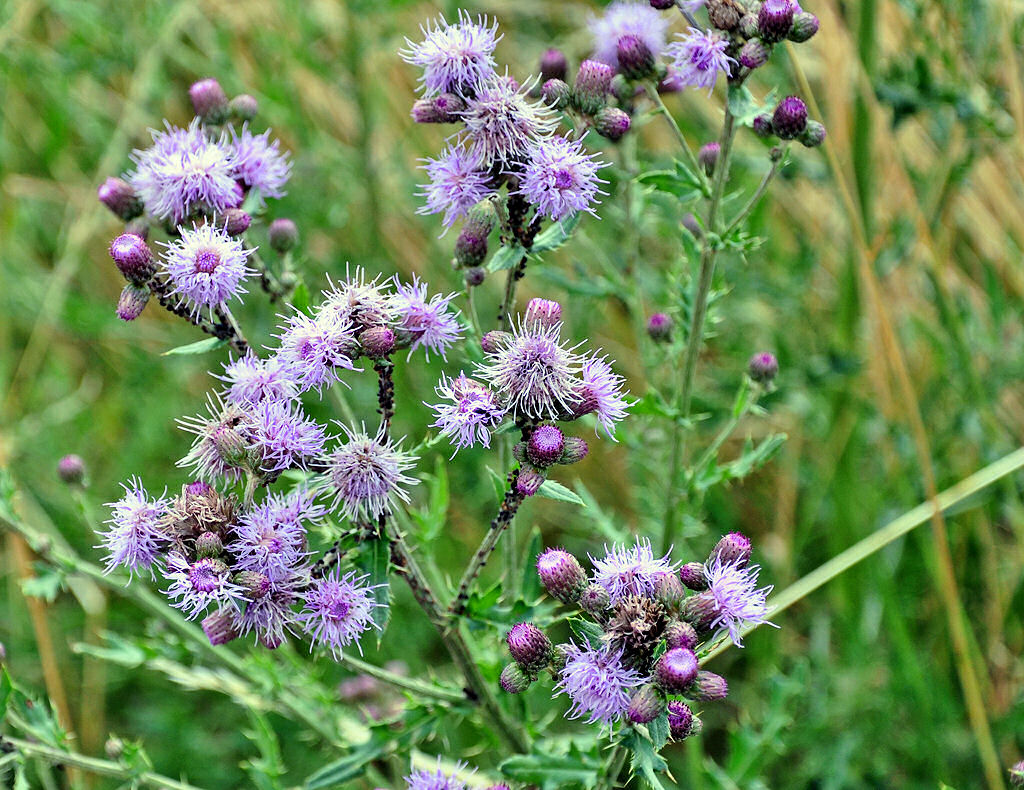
point(614, 767)
point(418, 687)
point(652, 93)
point(743, 407)
point(758, 194)
point(515, 274)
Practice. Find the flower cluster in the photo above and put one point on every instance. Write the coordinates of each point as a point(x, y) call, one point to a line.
point(648, 619)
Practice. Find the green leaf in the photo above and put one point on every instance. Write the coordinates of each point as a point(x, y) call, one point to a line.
point(199, 347)
point(348, 767)
point(745, 107)
point(432, 518)
point(46, 584)
point(681, 182)
point(300, 297)
point(253, 204)
point(659, 731)
point(646, 761)
point(530, 587)
point(550, 772)
point(554, 236)
point(375, 559)
point(553, 490)
point(505, 258)
point(6, 687)
point(586, 631)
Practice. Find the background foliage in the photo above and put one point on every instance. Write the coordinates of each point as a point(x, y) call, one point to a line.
point(898, 244)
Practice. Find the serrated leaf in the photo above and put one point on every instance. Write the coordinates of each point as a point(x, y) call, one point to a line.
point(586, 631)
point(46, 584)
point(681, 182)
point(646, 761)
point(550, 772)
point(505, 258)
point(348, 767)
point(375, 560)
point(659, 731)
point(555, 490)
point(745, 107)
point(199, 347)
point(554, 236)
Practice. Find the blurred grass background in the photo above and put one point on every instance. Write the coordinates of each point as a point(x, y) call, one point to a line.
point(890, 284)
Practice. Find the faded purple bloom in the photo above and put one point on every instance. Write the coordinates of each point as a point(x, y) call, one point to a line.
point(430, 324)
point(602, 393)
point(455, 58)
point(366, 475)
point(252, 380)
point(197, 585)
point(338, 609)
point(626, 18)
point(436, 779)
point(185, 172)
point(259, 163)
point(533, 371)
point(738, 601)
point(272, 615)
point(633, 570)
point(315, 350)
point(281, 437)
point(360, 301)
point(597, 683)
point(503, 124)
point(207, 266)
point(699, 57)
point(220, 449)
point(271, 536)
point(458, 181)
point(134, 537)
point(560, 178)
point(468, 412)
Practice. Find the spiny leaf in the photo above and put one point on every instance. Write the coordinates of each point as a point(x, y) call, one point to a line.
point(199, 347)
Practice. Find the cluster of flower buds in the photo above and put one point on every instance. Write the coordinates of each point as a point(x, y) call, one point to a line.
point(789, 121)
point(590, 97)
point(754, 28)
point(644, 622)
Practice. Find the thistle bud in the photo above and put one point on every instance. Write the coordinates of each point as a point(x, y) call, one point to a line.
point(255, 584)
point(114, 748)
point(71, 469)
point(763, 367)
point(734, 547)
point(243, 107)
point(230, 446)
point(700, 611)
point(529, 646)
point(235, 221)
point(562, 575)
point(611, 123)
point(669, 591)
point(133, 258)
point(545, 445)
point(692, 576)
point(595, 600)
point(662, 5)
point(118, 195)
point(753, 54)
point(513, 680)
point(805, 25)
point(592, 82)
point(209, 101)
point(471, 246)
point(659, 327)
point(762, 125)
point(493, 340)
point(528, 481)
point(707, 687)
point(775, 19)
point(377, 341)
point(542, 313)
point(132, 301)
point(553, 65)
point(790, 118)
point(559, 658)
point(748, 26)
point(724, 14)
point(676, 669)
point(209, 544)
point(446, 108)
point(283, 234)
point(575, 450)
point(556, 93)
point(636, 61)
point(646, 705)
point(219, 628)
point(708, 157)
point(681, 721)
point(813, 134)
point(475, 275)
point(679, 633)
point(692, 224)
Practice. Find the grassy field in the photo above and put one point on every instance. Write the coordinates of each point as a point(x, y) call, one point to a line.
point(890, 283)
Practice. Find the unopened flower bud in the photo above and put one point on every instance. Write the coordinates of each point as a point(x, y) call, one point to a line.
point(209, 101)
point(556, 93)
point(243, 107)
point(681, 721)
point(646, 705)
point(775, 19)
point(255, 584)
point(553, 65)
point(611, 123)
point(377, 341)
point(542, 313)
point(708, 156)
point(748, 26)
point(574, 450)
point(230, 446)
point(659, 327)
point(559, 658)
point(132, 301)
point(133, 258)
point(813, 134)
point(595, 600)
point(763, 367)
point(529, 646)
point(592, 82)
point(680, 633)
point(753, 54)
point(762, 125)
point(700, 611)
point(545, 445)
point(513, 680)
point(219, 628)
point(475, 275)
point(707, 687)
point(118, 195)
point(446, 108)
point(790, 118)
point(71, 469)
point(529, 481)
point(676, 669)
point(209, 544)
point(692, 224)
point(235, 221)
point(662, 5)
point(669, 591)
point(805, 25)
point(114, 748)
point(734, 547)
point(724, 14)
point(636, 60)
point(270, 641)
point(283, 234)
point(493, 340)
point(471, 246)
point(562, 575)
point(692, 575)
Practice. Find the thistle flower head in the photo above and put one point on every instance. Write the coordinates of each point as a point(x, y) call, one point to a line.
point(314, 351)
point(359, 301)
point(134, 537)
point(597, 683)
point(338, 609)
point(259, 163)
point(455, 58)
point(560, 178)
point(625, 18)
point(699, 57)
point(272, 615)
point(207, 266)
point(281, 437)
point(631, 570)
point(601, 392)
point(197, 585)
point(220, 449)
point(271, 536)
point(430, 324)
point(467, 412)
point(561, 574)
point(738, 600)
point(459, 180)
point(252, 380)
point(503, 123)
point(436, 779)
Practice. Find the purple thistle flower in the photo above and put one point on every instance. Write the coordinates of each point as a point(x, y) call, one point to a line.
point(458, 181)
point(281, 437)
point(626, 18)
point(252, 381)
point(436, 779)
point(362, 302)
point(272, 615)
point(315, 351)
point(220, 447)
point(429, 324)
point(134, 537)
point(699, 57)
point(503, 124)
point(473, 412)
point(207, 266)
point(738, 601)
point(560, 178)
point(455, 58)
point(366, 475)
point(338, 609)
point(265, 542)
point(259, 163)
point(597, 683)
point(197, 585)
point(185, 172)
point(602, 393)
point(633, 570)
point(533, 371)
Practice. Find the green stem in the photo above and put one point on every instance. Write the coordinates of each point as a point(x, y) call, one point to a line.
point(614, 767)
point(418, 687)
point(655, 97)
point(756, 197)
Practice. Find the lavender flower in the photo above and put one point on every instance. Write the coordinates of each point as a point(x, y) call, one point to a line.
point(271, 536)
point(338, 609)
point(633, 570)
point(314, 351)
point(626, 18)
point(259, 163)
point(360, 301)
point(429, 324)
point(220, 449)
point(436, 779)
point(597, 683)
point(207, 266)
point(503, 124)
point(184, 172)
point(455, 58)
point(272, 615)
point(458, 181)
point(252, 380)
point(602, 393)
point(281, 437)
point(699, 57)
point(196, 585)
point(365, 476)
point(134, 537)
point(473, 412)
point(560, 178)
point(738, 601)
